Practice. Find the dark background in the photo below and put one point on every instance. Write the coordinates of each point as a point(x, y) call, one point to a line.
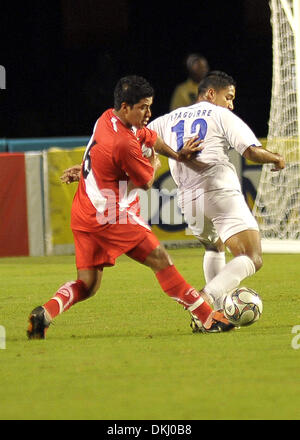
point(63, 58)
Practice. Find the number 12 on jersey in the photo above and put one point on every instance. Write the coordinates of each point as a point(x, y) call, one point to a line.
point(199, 127)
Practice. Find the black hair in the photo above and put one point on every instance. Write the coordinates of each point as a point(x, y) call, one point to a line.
point(217, 80)
point(191, 58)
point(131, 89)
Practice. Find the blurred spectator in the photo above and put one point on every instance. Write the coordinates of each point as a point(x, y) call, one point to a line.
point(187, 92)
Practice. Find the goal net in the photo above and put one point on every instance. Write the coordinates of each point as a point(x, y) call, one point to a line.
point(277, 204)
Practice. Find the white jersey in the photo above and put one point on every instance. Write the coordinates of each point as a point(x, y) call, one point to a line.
point(221, 130)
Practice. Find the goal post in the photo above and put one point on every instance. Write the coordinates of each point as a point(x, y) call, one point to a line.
point(277, 203)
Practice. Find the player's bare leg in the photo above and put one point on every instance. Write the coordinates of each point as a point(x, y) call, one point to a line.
point(175, 286)
point(247, 243)
point(158, 259)
point(91, 278)
point(87, 283)
point(245, 247)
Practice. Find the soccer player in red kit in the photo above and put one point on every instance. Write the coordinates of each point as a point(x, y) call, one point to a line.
point(105, 216)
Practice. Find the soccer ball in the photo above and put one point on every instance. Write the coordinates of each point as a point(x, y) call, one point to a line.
point(243, 306)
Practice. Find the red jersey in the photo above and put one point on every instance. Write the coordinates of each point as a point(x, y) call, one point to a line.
point(113, 157)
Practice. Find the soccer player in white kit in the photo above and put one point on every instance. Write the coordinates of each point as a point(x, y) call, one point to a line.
point(211, 199)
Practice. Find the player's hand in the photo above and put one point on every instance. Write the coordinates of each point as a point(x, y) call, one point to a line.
point(280, 164)
point(71, 174)
point(190, 149)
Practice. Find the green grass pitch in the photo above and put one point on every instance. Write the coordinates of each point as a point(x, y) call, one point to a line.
point(128, 352)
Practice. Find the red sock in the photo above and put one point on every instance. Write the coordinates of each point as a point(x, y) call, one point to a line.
point(177, 288)
point(66, 296)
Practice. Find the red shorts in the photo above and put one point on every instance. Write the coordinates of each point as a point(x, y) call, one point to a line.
point(100, 249)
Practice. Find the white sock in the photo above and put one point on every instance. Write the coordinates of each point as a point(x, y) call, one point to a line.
point(213, 263)
point(229, 279)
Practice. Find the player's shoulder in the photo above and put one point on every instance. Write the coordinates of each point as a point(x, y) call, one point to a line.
point(224, 113)
point(103, 120)
point(212, 108)
point(157, 123)
point(224, 110)
point(106, 115)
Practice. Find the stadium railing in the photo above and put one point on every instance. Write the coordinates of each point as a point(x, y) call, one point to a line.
point(3, 145)
point(38, 144)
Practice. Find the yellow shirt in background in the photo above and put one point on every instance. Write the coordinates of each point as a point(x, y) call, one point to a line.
point(184, 94)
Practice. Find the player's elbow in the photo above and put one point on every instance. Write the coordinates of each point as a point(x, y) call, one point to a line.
point(247, 153)
point(251, 153)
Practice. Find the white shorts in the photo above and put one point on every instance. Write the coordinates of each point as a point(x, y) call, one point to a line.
point(218, 213)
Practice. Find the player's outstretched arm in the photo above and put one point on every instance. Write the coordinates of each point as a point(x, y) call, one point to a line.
point(261, 155)
point(189, 149)
point(186, 154)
